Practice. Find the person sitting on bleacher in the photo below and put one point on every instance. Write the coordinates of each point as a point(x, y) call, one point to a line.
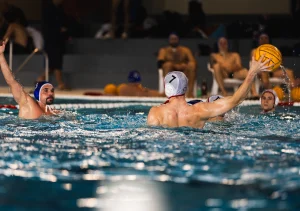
point(135, 88)
point(228, 65)
point(264, 39)
point(178, 58)
point(22, 42)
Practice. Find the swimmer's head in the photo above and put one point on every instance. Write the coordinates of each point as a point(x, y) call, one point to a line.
point(44, 92)
point(214, 98)
point(269, 100)
point(223, 44)
point(175, 84)
point(173, 40)
point(134, 77)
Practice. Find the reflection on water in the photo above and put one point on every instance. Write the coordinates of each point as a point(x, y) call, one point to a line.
point(95, 157)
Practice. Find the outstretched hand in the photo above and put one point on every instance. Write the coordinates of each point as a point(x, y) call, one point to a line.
point(260, 65)
point(2, 46)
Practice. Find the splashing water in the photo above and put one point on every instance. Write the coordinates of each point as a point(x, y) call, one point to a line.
point(104, 158)
point(287, 82)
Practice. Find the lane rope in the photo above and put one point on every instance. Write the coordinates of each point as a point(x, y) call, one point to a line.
point(120, 102)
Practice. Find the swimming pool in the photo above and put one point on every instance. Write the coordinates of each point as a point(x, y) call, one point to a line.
point(109, 159)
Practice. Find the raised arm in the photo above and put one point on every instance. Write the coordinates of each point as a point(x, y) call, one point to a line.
point(17, 90)
point(223, 105)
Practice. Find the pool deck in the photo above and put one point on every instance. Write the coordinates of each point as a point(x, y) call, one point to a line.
point(6, 90)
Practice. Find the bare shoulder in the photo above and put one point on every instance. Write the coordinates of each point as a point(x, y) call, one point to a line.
point(32, 103)
point(201, 107)
point(14, 25)
point(235, 54)
point(213, 55)
point(153, 116)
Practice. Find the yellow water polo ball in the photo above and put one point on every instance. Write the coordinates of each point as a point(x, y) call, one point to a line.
point(110, 89)
point(279, 91)
point(295, 93)
point(270, 52)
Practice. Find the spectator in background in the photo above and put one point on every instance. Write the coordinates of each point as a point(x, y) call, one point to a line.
point(13, 13)
point(197, 19)
point(264, 39)
point(135, 88)
point(22, 42)
point(114, 17)
point(228, 65)
point(55, 36)
point(178, 58)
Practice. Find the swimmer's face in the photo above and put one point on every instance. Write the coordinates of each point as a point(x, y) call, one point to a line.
point(173, 40)
point(268, 102)
point(264, 39)
point(47, 94)
point(223, 44)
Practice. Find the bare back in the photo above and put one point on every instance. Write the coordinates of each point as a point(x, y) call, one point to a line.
point(132, 90)
point(178, 114)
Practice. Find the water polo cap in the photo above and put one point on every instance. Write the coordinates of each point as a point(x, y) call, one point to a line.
point(38, 88)
point(134, 77)
point(175, 84)
point(274, 94)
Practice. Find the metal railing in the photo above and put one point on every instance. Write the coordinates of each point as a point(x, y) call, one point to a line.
point(36, 50)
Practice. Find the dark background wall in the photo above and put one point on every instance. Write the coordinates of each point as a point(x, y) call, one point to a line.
point(91, 63)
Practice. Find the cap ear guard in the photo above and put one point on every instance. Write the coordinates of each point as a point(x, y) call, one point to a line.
point(169, 90)
point(274, 94)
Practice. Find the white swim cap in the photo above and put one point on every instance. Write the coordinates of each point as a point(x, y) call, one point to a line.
point(175, 84)
point(214, 98)
point(272, 92)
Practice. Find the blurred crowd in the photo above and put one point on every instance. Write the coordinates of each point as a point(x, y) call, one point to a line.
point(64, 19)
point(129, 18)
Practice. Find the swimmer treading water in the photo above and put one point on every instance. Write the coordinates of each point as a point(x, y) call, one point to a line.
point(29, 108)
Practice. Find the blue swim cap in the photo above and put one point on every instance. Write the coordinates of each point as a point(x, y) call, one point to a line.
point(38, 87)
point(134, 77)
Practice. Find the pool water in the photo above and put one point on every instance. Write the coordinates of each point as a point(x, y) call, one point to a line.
point(109, 159)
